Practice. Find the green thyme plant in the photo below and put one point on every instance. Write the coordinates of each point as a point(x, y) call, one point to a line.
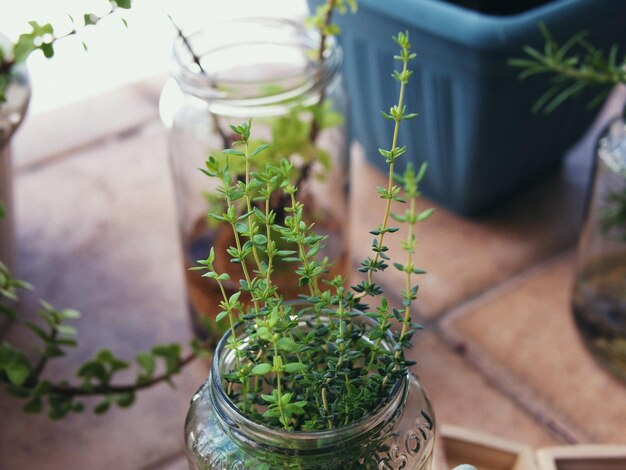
point(313, 364)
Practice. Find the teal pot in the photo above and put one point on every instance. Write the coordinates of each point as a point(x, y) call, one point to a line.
point(475, 129)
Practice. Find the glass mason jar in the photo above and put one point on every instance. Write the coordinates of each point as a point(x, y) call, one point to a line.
point(599, 295)
point(265, 70)
point(399, 434)
point(12, 112)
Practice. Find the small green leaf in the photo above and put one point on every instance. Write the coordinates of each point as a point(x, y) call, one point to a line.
point(33, 406)
point(259, 149)
point(17, 373)
point(287, 344)
point(66, 330)
point(124, 400)
point(264, 333)
point(220, 316)
point(375, 334)
point(261, 369)
point(146, 362)
point(126, 4)
point(425, 214)
point(102, 407)
point(69, 314)
point(293, 367)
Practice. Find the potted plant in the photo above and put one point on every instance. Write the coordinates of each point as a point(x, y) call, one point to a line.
point(481, 141)
point(291, 377)
point(321, 382)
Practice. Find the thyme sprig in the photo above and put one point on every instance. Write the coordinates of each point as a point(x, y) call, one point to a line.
point(314, 364)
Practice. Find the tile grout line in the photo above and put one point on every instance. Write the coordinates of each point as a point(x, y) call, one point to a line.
point(497, 374)
point(118, 136)
point(496, 290)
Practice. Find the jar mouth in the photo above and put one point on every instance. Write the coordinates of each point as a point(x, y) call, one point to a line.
point(245, 429)
point(254, 62)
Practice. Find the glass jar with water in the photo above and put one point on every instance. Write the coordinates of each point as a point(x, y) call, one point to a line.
point(599, 296)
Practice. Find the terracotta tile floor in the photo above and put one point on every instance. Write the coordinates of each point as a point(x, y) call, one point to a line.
point(97, 232)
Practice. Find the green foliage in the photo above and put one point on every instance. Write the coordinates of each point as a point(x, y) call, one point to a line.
point(574, 66)
point(42, 37)
point(321, 19)
point(314, 364)
point(22, 377)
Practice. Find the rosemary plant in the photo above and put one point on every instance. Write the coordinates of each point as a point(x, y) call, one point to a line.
point(311, 365)
point(574, 66)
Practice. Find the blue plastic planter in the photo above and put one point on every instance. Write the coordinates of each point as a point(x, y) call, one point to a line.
point(475, 129)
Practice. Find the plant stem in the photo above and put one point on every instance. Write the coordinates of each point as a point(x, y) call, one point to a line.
point(315, 126)
point(279, 389)
point(115, 389)
point(394, 144)
point(407, 308)
point(196, 60)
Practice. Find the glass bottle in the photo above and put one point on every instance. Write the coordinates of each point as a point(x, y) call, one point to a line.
point(266, 70)
point(399, 434)
point(599, 295)
point(12, 112)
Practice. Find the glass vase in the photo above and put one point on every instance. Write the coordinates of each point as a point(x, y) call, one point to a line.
point(599, 295)
point(399, 434)
point(267, 70)
point(12, 112)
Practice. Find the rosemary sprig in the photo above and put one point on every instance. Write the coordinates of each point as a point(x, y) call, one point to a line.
point(574, 66)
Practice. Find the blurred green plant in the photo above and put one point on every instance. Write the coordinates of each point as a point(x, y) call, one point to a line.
point(43, 37)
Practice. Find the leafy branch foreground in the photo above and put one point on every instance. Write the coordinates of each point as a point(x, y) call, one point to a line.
point(23, 377)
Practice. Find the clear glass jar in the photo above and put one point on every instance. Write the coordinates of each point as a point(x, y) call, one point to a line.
point(400, 434)
point(12, 112)
point(264, 70)
point(599, 296)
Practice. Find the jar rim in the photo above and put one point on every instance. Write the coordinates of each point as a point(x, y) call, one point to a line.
point(235, 418)
point(213, 47)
